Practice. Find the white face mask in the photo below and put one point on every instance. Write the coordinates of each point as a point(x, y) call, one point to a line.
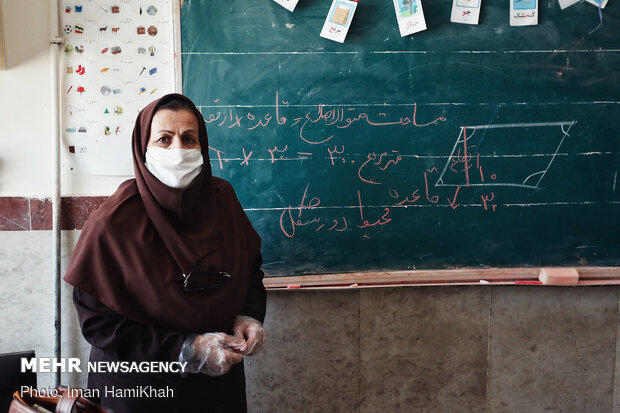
point(174, 167)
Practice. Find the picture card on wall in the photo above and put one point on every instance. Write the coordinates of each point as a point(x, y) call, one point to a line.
point(287, 4)
point(465, 11)
point(523, 12)
point(602, 3)
point(338, 20)
point(567, 3)
point(410, 16)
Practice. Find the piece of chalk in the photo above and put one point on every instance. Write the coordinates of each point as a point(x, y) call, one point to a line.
point(292, 286)
point(484, 282)
point(559, 276)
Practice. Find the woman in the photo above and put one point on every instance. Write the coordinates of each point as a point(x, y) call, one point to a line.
point(168, 269)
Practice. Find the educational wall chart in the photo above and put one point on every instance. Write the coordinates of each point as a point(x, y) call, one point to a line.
point(117, 57)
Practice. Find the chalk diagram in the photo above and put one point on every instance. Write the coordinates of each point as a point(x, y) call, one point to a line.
point(476, 161)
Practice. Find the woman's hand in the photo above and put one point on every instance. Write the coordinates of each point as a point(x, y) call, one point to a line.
point(212, 354)
point(250, 330)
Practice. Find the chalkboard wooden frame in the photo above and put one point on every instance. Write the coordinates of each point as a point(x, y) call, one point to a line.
point(464, 276)
point(460, 275)
point(176, 30)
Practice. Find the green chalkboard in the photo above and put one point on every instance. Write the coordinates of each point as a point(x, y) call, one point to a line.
point(459, 146)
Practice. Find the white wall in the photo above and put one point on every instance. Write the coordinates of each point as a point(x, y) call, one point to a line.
point(25, 109)
point(27, 301)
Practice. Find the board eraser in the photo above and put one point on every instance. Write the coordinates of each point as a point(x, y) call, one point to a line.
point(559, 276)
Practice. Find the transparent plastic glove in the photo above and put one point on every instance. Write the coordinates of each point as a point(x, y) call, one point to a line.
point(252, 331)
point(212, 354)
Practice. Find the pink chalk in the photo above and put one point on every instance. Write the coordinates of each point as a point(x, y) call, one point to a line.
point(523, 282)
point(559, 276)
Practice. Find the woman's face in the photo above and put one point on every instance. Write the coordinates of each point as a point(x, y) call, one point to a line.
point(174, 130)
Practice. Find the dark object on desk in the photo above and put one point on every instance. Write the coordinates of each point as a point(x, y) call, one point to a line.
point(11, 377)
